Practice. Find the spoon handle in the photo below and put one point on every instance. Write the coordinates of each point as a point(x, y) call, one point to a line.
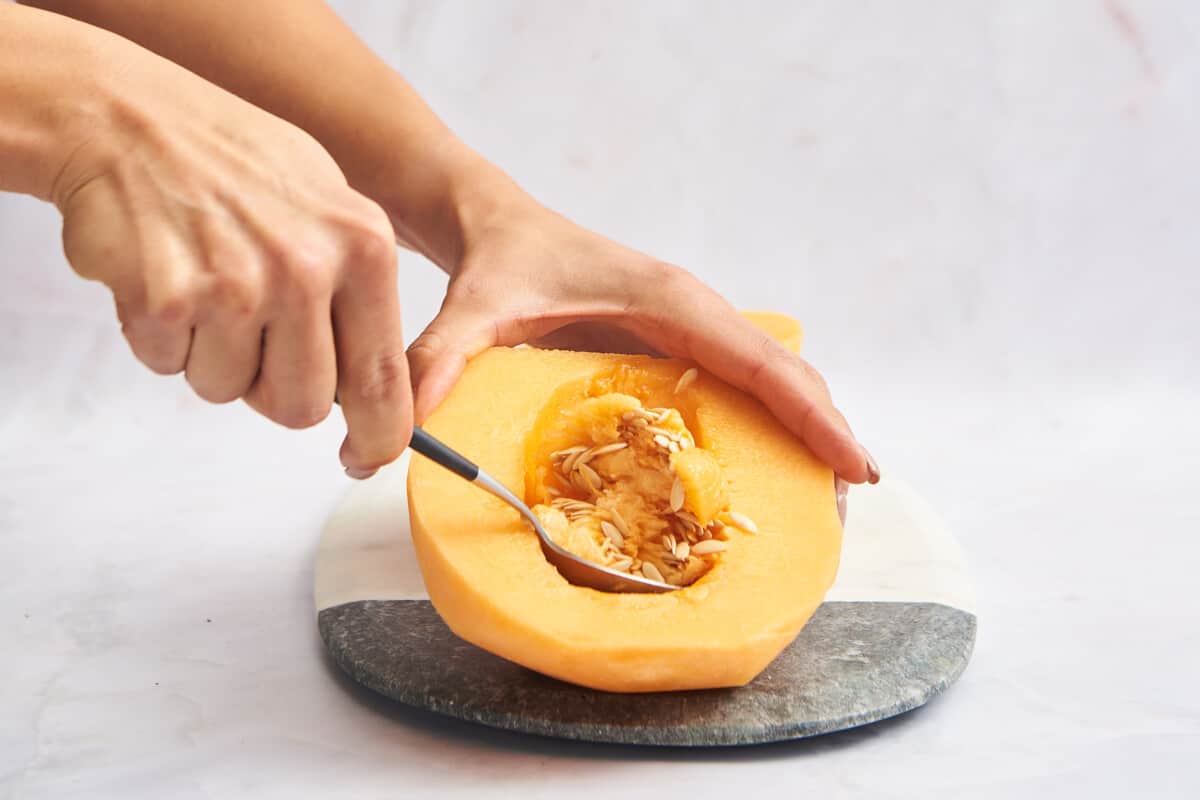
point(441, 453)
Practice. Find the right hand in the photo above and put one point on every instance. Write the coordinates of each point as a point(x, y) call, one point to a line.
point(238, 255)
point(528, 275)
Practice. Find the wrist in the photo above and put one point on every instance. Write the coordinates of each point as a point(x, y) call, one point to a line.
point(440, 205)
point(51, 103)
point(84, 147)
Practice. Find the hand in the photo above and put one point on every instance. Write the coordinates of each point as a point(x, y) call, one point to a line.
point(529, 275)
point(237, 254)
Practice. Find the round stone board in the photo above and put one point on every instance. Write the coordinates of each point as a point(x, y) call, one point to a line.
point(897, 628)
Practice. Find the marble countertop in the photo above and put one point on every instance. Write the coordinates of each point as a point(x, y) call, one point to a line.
point(983, 214)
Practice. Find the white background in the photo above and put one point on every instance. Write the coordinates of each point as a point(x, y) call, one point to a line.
point(985, 214)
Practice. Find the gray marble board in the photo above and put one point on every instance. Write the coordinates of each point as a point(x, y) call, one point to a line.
point(897, 628)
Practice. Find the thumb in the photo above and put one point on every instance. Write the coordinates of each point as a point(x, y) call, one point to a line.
point(439, 355)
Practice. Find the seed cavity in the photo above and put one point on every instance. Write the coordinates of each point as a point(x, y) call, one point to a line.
point(622, 539)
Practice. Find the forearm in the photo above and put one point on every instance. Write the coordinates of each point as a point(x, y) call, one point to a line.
point(298, 60)
point(50, 100)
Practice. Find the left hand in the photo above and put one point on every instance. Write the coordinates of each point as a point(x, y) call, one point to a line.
point(530, 275)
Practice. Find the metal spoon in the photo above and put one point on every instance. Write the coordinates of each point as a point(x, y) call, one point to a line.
point(576, 570)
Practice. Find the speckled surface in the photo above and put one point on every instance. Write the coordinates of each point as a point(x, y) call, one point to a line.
point(854, 663)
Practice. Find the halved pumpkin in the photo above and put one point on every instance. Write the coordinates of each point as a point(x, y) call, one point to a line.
point(489, 581)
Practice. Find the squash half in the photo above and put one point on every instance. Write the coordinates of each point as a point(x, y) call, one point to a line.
point(489, 581)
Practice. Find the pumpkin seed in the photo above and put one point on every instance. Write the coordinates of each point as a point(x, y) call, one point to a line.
point(569, 451)
point(686, 379)
point(590, 477)
point(619, 521)
point(568, 463)
point(614, 535)
point(740, 520)
point(651, 572)
point(677, 495)
point(608, 448)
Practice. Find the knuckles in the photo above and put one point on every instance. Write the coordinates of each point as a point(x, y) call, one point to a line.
point(378, 390)
point(370, 246)
point(174, 308)
point(238, 292)
point(425, 347)
point(664, 280)
point(304, 272)
point(310, 268)
point(378, 380)
point(367, 239)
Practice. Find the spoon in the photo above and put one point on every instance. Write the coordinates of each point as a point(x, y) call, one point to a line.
point(576, 570)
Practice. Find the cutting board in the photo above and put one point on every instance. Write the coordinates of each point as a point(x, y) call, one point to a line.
point(896, 629)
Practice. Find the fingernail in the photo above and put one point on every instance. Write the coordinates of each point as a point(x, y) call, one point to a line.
point(872, 468)
point(359, 474)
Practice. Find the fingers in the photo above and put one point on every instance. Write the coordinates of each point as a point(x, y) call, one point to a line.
point(161, 342)
point(223, 362)
point(684, 317)
point(284, 273)
point(372, 370)
point(157, 307)
point(790, 388)
point(298, 375)
point(439, 355)
point(872, 468)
